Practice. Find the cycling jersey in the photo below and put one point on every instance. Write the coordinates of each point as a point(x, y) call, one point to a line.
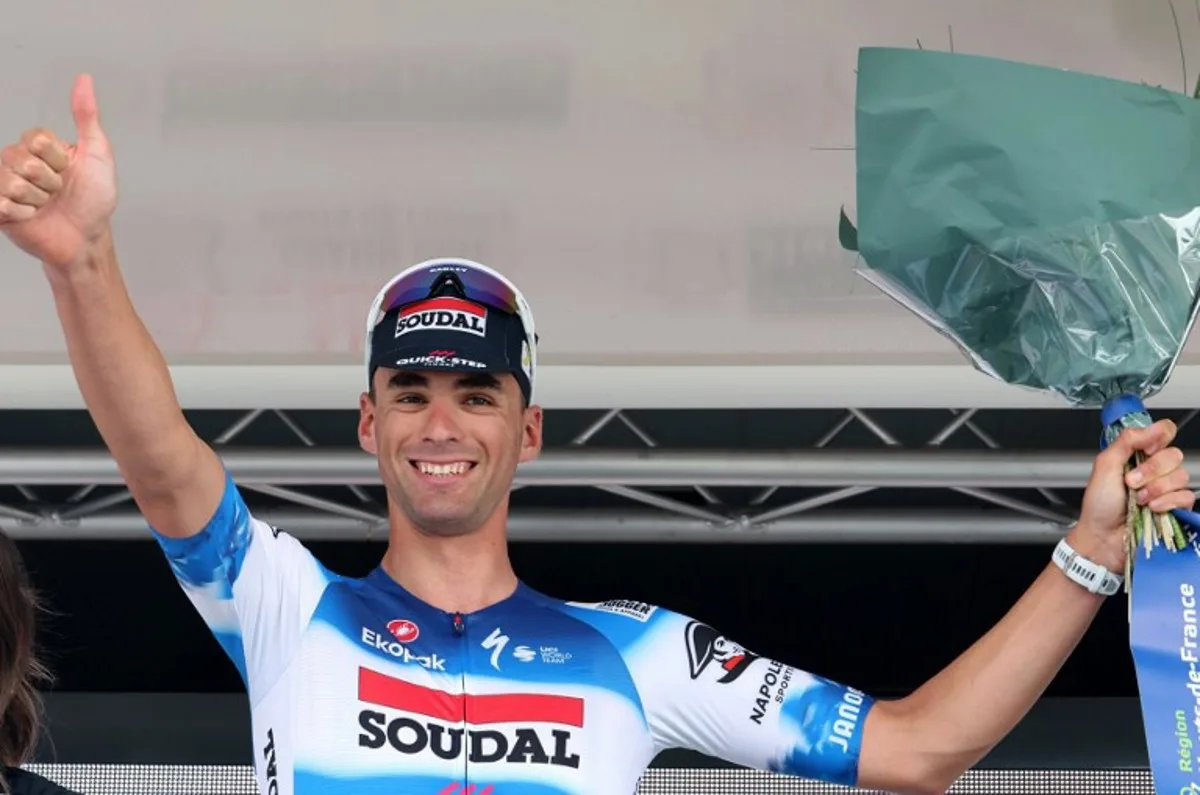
point(356, 686)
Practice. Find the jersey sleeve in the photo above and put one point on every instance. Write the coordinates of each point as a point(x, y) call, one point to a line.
point(255, 588)
point(706, 693)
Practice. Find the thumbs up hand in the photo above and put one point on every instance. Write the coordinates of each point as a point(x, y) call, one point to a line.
point(56, 198)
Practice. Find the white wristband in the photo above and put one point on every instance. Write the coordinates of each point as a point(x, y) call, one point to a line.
point(1092, 576)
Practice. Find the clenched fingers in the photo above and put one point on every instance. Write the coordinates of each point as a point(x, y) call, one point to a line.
point(45, 146)
point(1157, 466)
point(29, 174)
point(19, 197)
point(1161, 494)
point(37, 172)
point(28, 166)
point(16, 187)
point(1150, 440)
point(1180, 498)
point(10, 211)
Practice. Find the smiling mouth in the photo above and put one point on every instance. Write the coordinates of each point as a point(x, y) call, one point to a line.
point(443, 470)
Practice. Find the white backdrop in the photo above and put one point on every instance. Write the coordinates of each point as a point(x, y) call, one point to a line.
point(662, 178)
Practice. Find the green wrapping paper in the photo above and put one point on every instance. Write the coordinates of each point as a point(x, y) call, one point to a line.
point(1046, 222)
point(1043, 220)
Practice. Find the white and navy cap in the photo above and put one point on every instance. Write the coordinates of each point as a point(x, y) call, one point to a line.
point(452, 315)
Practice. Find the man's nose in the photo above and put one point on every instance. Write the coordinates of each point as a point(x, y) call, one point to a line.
point(440, 425)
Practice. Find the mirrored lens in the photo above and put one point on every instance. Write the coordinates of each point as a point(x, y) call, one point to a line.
point(478, 286)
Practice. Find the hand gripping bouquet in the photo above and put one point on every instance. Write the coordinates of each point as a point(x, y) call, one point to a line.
point(1046, 222)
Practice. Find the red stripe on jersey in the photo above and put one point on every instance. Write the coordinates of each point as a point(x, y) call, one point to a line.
point(386, 691)
point(525, 708)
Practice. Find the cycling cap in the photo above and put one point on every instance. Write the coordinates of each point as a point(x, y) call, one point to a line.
point(452, 315)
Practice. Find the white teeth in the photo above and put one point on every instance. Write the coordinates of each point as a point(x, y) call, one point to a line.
point(457, 468)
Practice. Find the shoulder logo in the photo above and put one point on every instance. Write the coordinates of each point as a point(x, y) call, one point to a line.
point(639, 611)
point(706, 646)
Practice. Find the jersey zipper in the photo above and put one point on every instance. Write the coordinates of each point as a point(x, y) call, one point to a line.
point(459, 622)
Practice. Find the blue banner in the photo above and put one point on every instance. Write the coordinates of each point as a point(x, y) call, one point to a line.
point(1165, 640)
point(1164, 635)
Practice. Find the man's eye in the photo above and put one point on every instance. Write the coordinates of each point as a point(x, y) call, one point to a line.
point(480, 400)
point(410, 398)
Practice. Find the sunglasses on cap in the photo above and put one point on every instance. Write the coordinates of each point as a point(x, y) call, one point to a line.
point(474, 281)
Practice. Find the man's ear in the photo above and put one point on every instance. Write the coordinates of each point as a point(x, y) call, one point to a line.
point(531, 436)
point(366, 423)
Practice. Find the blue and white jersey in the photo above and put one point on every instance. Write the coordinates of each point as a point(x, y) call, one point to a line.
point(358, 687)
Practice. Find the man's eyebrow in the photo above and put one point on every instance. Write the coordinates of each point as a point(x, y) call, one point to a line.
point(478, 381)
point(407, 378)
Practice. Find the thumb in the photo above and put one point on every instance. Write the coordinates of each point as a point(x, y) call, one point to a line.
point(86, 113)
point(1117, 455)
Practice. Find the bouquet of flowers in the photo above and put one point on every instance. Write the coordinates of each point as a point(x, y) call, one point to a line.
point(1045, 221)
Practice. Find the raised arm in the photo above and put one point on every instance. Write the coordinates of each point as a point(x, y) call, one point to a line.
point(705, 692)
point(254, 586)
point(56, 203)
point(955, 719)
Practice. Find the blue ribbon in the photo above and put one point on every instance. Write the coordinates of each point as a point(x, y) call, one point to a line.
point(1164, 636)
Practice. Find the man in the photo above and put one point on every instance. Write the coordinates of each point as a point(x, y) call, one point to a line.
point(440, 672)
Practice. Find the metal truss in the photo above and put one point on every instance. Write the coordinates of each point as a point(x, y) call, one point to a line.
point(282, 473)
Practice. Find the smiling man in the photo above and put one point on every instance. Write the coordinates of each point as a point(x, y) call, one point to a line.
point(449, 324)
point(440, 672)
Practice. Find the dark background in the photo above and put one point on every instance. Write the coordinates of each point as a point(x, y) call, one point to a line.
point(882, 618)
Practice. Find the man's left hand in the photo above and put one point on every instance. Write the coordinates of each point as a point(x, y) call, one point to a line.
point(1160, 482)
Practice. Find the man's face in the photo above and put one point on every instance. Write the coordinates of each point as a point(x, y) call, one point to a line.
point(448, 444)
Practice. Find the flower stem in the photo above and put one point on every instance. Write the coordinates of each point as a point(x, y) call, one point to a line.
point(1146, 529)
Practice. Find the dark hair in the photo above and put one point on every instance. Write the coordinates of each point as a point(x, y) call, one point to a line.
point(20, 670)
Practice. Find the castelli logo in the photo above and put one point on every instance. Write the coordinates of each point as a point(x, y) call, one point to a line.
point(403, 630)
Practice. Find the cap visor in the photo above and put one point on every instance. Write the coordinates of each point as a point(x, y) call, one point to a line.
point(466, 356)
